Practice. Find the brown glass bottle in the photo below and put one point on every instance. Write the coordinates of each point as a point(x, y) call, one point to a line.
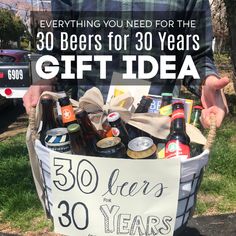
point(144, 105)
point(48, 119)
point(67, 112)
point(90, 135)
point(76, 139)
point(118, 127)
point(178, 142)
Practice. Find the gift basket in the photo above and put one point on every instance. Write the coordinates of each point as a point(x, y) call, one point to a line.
point(145, 127)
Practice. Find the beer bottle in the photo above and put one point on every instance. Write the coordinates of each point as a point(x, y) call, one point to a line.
point(178, 142)
point(144, 105)
point(166, 104)
point(67, 112)
point(118, 127)
point(90, 134)
point(48, 118)
point(195, 118)
point(107, 128)
point(196, 149)
point(76, 139)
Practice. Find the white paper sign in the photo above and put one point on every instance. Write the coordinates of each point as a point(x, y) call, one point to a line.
point(95, 196)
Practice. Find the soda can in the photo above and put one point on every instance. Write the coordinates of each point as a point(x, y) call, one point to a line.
point(142, 148)
point(58, 140)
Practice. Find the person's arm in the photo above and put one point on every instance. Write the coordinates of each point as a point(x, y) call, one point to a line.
point(31, 97)
point(210, 85)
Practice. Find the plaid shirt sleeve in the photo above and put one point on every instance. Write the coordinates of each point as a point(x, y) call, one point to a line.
point(203, 58)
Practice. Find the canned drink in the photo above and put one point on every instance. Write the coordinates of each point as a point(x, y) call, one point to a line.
point(111, 147)
point(58, 140)
point(142, 148)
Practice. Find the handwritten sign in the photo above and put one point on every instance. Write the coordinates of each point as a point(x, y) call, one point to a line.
point(95, 196)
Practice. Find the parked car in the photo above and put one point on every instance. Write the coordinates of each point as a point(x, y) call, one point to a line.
point(15, 72)
point(13, 56)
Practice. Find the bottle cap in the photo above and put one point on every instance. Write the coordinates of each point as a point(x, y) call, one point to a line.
point(112, 117)
point(140, 144)
point(46, 99)
point(166, 94)
point(72, 128)
point(178, 102)
point(64, 101)
point(80, 113)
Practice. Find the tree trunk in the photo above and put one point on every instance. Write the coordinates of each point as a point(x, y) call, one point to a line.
point(231, 13)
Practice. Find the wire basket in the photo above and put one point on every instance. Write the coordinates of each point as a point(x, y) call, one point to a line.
point(191, 175)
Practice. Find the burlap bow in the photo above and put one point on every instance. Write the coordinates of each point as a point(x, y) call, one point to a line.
point(152, 123)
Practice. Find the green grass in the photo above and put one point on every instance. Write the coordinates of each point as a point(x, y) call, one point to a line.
point(218, 189)
point(19, 203)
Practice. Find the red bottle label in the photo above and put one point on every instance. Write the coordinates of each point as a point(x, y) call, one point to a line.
point(179, 113)
point(115, 131)
point(175, 148)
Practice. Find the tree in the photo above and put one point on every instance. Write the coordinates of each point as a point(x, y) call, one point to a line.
point(220, 27)
point(11, 28)
point(231, 17)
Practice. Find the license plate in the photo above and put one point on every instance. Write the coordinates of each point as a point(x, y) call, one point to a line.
point(16, 75)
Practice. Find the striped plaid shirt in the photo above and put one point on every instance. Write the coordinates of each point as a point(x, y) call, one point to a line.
point(203, 58)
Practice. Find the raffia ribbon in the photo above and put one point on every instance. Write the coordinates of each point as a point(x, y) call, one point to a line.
point(152, 123)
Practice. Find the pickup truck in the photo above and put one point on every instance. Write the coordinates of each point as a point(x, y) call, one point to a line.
point(16, 72)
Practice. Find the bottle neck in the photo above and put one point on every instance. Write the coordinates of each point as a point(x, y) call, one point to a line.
point(48, 113)
point(178, 121)
point(86, 123)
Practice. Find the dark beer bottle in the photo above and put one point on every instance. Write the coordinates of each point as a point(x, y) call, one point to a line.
point(118, 127)
point(178, 142)
point(76, 139)
point(144, 105)
point(67, 112)
point(48, 118)
point(166, 104)
point(90, 134)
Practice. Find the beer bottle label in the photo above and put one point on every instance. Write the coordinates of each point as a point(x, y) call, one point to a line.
point(166, 110)
point(175, 148)
point(68, 114)
point(178, 113)
point(115, 131)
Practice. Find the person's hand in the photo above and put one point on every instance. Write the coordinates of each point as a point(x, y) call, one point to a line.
point(32, 96)
point(213, 100)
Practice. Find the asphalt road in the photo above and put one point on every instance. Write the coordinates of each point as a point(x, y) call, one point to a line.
point(220, 225)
